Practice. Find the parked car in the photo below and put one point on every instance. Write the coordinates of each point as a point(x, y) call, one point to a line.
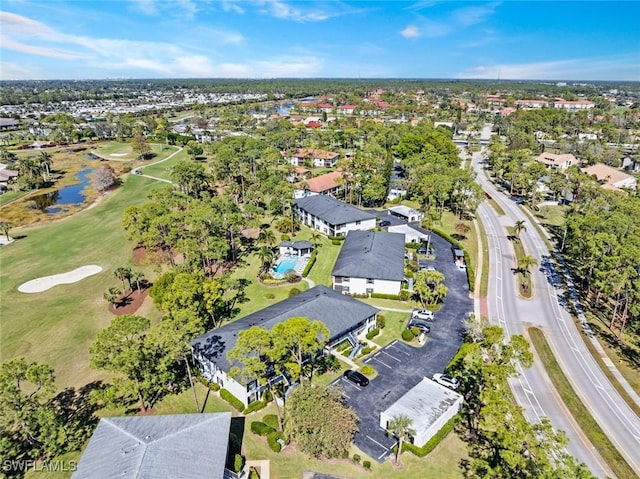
point(423, 314)
point(356, 378)
point(425, 328)
point(384, 223)
point(446, 380)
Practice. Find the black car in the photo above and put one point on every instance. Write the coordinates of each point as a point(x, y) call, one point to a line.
point(425, 328)
point(356, 378)
point(384, 223)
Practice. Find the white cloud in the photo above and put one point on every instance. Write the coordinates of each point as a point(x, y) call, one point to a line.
point(305, 11)
point(146, 7)
point(474, 15)
point(232, 6)
point(624, 67)
point(410, 32)
point(175, 8)
point(20, 71)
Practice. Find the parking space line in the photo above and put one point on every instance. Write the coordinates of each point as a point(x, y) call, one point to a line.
point(382, 362)
point(373, 440)
point(392, 357)
point(350, 383)
point(397, 350)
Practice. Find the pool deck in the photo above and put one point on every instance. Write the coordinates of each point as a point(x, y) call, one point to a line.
point(301, 263)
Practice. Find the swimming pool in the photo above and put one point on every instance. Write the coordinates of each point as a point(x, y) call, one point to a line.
point(284, 265)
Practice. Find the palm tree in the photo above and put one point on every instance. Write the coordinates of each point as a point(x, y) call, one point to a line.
point(265, 255)
point(400, 426)
point(112, 295)
point(5, 227)
point(519, 227)
point(123, 274)
point(267, 237)
point(137, 277)
point(315, 238)
point(44, 162)
point(526, 263)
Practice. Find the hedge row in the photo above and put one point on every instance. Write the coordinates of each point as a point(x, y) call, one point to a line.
point(231, 399)
point(311, 262)
point(373, 333)
point(433, 442)
point(337, 238)
point(261, 429)
point(271, 420)
point(272, 440)
point(471, 278)
point(385, 296)
point(412, 245)
point(255, 406)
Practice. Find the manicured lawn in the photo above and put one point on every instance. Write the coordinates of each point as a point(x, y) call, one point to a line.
point(518, 248)
point(469, 241)
point(118, 150)
point(57, 326)
point(552, 215)
point(9, 196)
point(163, 169)
point(395, 323)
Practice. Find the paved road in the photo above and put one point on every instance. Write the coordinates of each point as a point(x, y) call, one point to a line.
point(400, 366)
point(548, 310)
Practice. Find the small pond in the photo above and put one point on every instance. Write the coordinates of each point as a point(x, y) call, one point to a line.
point(68, 195)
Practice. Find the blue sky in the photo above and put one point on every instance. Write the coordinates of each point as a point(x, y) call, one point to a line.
point(277, 38)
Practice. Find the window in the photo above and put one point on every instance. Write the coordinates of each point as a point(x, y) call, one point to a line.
point(345, 279)
point(358, 222)
point(369, 290)
point(338, 279)
point(369, 280)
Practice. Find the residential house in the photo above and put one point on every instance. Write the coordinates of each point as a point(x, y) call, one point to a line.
point(327, 184)
point(531, 104)
point(411, 235)
point(318, 158)
point(347, 109)
point(295, 248)
point(405, 213)
point(370, 262)
point(9, 123)
point(345, 317)
point(6, 176)
point(557, 162)
point(573, 105)
point(611, 178)
point(429, 406)
point(172, 445)
point(331, 216)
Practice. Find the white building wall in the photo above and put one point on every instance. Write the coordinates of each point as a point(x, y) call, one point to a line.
point(360, 285)
point(628, 183)
point(422, 437)
point(363, 225)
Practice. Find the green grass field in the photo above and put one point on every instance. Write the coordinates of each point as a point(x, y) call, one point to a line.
point(163, 169)
point(57, 326)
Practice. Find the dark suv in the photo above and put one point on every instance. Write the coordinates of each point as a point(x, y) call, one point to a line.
point(356, 378)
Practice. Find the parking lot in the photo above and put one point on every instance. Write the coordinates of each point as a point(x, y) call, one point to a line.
point(401, 366)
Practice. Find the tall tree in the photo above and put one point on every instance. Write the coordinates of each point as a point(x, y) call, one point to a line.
point(5, 227)
point(318, 421)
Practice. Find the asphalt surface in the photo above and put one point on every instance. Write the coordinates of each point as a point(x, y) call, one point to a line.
point(548, 310)
point(401, 366)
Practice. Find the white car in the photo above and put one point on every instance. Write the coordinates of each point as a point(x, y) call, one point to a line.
point(446, 380)
point(423, 314)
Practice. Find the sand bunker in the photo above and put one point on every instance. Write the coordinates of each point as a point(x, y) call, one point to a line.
point(118, 154)
point(47, 282)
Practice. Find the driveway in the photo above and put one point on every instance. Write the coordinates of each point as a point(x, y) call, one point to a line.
point(400, 366)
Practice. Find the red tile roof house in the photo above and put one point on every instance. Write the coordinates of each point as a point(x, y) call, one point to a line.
point(329, 184)
point(319, 158)
point(347, 109)
point(559, 162)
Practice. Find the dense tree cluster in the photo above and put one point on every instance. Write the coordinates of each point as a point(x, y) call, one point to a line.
point(501, 442)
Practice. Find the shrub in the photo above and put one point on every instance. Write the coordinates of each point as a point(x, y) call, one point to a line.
point(415, 331)
point(433, 442)
point(373, 333)
point(255, 406)
point(126, 169)
point(404, 295)
point(267, 396)
point(356, 458)
point(261, 429)
point(336, 238)
point(412, 245)
point(293, 292)
point(312, 261)
point(407, 335)
point(285, 237)
point(272, 440)
point(367, 370)
point(231, 399)
point(336, 242)
point(238, 463)
point(384, 296)
point(345, 454)
point(381, 322)
point(270, 296)
point(366, 464)
point(367, 350)
point(271, 420)
point(347, 352)
point(291, 276)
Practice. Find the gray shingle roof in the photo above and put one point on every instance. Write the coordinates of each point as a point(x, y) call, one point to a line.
point(296, 244)
point(371, 254)
point(338, 312)
point(332, 211)
point(176, 445)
